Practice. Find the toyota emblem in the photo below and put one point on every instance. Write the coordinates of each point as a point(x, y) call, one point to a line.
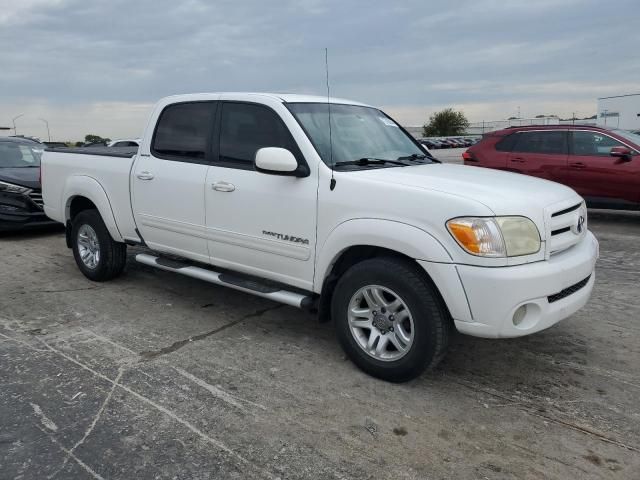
point(580, 226)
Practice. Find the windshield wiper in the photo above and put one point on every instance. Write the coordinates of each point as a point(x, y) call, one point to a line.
point(372, 161)
point(413, 156)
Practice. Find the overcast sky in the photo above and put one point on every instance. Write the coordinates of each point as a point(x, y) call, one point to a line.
point(97, 66)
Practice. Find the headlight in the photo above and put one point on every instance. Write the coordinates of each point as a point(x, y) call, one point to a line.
point(496, 237)
point(11, 188)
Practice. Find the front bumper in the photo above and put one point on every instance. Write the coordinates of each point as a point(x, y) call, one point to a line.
point(552, 290)
point(19, 212)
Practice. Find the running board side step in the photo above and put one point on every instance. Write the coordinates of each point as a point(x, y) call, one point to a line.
point(228, 280)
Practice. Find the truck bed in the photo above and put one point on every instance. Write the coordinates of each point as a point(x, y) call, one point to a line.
point(69, 172)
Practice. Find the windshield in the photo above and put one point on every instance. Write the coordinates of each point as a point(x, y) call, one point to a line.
point(16, 155)
point(632, 137)
point(356, 133)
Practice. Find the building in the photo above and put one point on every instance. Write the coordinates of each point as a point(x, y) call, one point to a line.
point(620, 111)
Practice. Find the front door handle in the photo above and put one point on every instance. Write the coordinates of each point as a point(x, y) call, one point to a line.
point(144, 175)
point(223, 187)
point(579, 165)
point(517, 160)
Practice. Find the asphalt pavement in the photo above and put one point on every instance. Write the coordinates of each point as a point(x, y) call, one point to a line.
point(159, 376)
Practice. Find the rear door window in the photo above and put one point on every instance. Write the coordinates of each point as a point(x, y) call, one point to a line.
point(506, 144)
point(183, 132)
point(550, 143)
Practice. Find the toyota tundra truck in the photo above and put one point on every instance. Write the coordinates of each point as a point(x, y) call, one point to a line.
point(329, 205)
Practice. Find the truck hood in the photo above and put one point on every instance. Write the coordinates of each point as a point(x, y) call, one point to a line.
point(504, 193)
point(25, 177)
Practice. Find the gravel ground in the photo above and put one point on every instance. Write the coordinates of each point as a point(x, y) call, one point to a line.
point(158, 376)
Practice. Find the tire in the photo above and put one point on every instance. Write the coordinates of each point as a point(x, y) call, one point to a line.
point(89, 231)
point(427, 324)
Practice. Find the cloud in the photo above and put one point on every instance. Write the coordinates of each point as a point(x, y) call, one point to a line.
point(64, 58)
point(71, 122)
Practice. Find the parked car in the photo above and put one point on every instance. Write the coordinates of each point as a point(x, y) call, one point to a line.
point(125, 142)
point(20, 194)
point(430, 144)
point(250, 192)
point(445, 143)
point(602, 165)
point(435, 142)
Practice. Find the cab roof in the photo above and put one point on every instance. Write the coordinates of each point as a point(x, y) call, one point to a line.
point(282, 97)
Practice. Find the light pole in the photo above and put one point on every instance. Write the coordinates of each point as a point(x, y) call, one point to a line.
point(15, 132)
point(48, 132)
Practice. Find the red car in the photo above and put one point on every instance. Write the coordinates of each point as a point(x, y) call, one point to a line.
point(602, 165)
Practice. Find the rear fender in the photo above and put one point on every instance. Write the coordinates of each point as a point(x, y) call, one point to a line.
point(88, 187)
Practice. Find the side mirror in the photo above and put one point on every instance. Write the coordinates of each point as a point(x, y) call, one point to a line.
point(623, 153)
point(279, 161)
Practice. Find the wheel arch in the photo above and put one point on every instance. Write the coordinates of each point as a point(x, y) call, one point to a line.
point(358, 240)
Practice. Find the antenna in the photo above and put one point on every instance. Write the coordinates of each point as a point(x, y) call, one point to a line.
point(332, 184)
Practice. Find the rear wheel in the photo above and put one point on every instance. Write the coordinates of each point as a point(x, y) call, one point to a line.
point(389, 319)
point(97, 255)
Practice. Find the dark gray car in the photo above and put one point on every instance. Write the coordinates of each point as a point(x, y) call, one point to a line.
point(20, 191)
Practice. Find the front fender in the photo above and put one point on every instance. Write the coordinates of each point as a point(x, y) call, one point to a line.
point(397, 236)
point(90, 188)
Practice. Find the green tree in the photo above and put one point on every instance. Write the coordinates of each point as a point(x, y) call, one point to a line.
point(95, 139)
point(445, 123)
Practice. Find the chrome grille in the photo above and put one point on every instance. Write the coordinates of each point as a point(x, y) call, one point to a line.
point(567, 227)
point(36, 197)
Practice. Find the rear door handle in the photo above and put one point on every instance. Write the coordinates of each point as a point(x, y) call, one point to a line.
point(517, 160)
point(144, 175)
point(223, 187)
point(578, 165)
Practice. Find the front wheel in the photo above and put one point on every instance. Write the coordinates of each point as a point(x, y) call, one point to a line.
point(97, 255)
point(389, 319)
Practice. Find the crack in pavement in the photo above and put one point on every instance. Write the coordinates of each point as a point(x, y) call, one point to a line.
point(530, 409)
point(211, 440)
point(150, 355)
point(86, 467)
point(92, 425)
point(57, 291)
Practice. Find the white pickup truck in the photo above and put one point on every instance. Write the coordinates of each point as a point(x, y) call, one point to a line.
point(238, 189)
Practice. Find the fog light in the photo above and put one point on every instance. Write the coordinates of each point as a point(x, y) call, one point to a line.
point(519, 315)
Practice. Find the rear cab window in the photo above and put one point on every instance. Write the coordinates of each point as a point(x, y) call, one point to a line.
point(183, 132)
